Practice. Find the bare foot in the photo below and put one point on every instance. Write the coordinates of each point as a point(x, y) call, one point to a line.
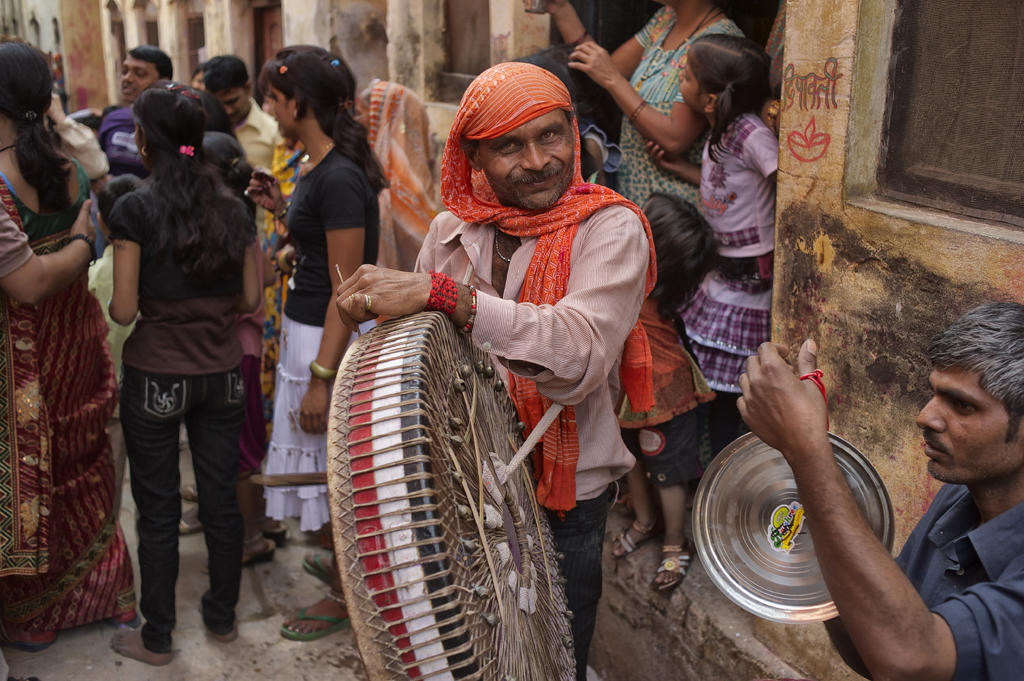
point(128, 642)
point(332, 606)
point(229, 637)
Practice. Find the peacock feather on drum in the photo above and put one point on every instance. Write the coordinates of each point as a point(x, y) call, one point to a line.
point(447, 561)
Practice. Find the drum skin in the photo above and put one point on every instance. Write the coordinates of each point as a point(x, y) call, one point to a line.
point(449, 569)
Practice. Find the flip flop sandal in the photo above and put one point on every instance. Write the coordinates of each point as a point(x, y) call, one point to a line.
point(316, 568)
point(132, 623)
point(279, 535)
point(185, 527)
point(189, 494)
point(676, 562)
point(627, 543)
point(337, 624)
point(264, 557)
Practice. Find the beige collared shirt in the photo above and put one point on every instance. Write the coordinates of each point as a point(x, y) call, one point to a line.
point(258, 135)
point(577, 343)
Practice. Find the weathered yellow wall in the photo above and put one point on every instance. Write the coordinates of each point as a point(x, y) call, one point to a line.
point(871, 281)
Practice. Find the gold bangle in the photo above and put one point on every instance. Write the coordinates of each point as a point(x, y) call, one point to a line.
point(322, 372)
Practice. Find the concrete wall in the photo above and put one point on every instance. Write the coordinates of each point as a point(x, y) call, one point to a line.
point(356, 30)
point(68, 28)
point(43, 12)
point(869, 279)
point(84, 77)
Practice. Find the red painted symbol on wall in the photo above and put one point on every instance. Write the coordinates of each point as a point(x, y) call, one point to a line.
point(809, 145)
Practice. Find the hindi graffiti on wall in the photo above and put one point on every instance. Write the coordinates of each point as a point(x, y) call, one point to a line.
point(811, 90)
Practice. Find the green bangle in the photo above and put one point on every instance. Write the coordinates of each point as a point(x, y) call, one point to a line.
point(322, 372)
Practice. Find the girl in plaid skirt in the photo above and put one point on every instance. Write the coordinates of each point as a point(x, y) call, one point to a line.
point(725, 79)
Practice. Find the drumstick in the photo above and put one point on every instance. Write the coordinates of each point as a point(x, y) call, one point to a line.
point(294, 480)
point(355, 328)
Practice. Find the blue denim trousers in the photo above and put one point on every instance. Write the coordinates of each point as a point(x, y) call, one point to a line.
point(580, 538)
point(213, 407)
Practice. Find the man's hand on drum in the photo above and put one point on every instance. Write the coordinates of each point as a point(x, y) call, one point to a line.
point(785, 412)
point(374, 291)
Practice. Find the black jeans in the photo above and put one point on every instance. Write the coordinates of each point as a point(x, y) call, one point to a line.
point(213, 407)
point(580, 537)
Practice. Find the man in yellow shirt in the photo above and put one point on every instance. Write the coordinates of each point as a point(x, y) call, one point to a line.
point(227, 78)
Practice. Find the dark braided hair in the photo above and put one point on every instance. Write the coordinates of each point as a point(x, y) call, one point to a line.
point(736, 70)
point(26, 91)
point(317, 79)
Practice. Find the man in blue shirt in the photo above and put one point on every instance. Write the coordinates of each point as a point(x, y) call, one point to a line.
point(952, 605)
point(143, 66)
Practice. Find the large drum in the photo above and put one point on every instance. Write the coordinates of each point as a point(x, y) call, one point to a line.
point(447, 562)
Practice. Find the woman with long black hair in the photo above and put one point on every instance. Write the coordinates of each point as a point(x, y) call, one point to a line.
point(333, 220)
point(57, 383)
point(184, 264)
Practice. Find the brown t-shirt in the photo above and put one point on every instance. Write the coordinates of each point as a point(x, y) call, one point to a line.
point(183, 328)
point(190, 337)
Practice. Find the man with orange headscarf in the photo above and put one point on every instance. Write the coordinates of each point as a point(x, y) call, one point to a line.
point(554, 272)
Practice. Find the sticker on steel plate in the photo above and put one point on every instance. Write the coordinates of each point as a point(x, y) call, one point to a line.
point(787, 520)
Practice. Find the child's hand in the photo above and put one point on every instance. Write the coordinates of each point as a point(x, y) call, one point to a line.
point(681, 167)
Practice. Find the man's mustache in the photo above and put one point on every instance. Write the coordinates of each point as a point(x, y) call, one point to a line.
point(932, 438)
point(531, 176)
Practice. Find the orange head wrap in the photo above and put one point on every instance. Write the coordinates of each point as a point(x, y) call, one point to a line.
point(501, 99)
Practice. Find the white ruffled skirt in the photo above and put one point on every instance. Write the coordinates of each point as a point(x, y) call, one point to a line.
point(293, 450)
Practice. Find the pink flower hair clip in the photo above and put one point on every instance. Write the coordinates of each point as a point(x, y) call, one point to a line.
point(283, 70)
point(187, 150)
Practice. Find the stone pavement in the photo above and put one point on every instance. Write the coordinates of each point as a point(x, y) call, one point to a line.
point(270, 591)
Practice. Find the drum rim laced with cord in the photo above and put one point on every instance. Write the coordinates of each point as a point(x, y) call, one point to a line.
point(384, 381)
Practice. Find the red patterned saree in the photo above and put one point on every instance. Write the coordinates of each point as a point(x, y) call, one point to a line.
point(63, 560)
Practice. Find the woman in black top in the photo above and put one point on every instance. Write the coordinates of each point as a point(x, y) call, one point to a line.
point(184, 264)
point(333, 222)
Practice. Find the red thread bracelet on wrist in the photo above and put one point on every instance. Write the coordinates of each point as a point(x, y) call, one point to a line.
point(815, 377)
point(444, 294)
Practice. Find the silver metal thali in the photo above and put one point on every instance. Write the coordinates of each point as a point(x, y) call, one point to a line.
point(747, 487)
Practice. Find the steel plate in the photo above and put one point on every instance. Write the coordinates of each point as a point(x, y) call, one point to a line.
point(737, 498)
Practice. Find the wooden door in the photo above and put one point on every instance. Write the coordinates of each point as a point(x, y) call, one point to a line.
point(269, 33)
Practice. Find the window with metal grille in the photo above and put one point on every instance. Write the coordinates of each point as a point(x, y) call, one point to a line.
point(954, 129)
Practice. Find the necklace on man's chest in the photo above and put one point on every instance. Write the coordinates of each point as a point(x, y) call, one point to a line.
point(497, 248)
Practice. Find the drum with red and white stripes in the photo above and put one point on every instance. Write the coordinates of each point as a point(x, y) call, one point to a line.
point(447, 562)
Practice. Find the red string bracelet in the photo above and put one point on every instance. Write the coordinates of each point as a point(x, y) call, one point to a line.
point(444, 294)
point(815, 377)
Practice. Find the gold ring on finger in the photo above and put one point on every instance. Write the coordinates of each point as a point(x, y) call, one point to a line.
point(367, 302)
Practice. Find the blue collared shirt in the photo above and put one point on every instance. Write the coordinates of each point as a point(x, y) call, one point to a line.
point(973, 577)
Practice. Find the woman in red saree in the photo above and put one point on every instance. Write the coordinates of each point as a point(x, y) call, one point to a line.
point(399, 134)
point(63, 560)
